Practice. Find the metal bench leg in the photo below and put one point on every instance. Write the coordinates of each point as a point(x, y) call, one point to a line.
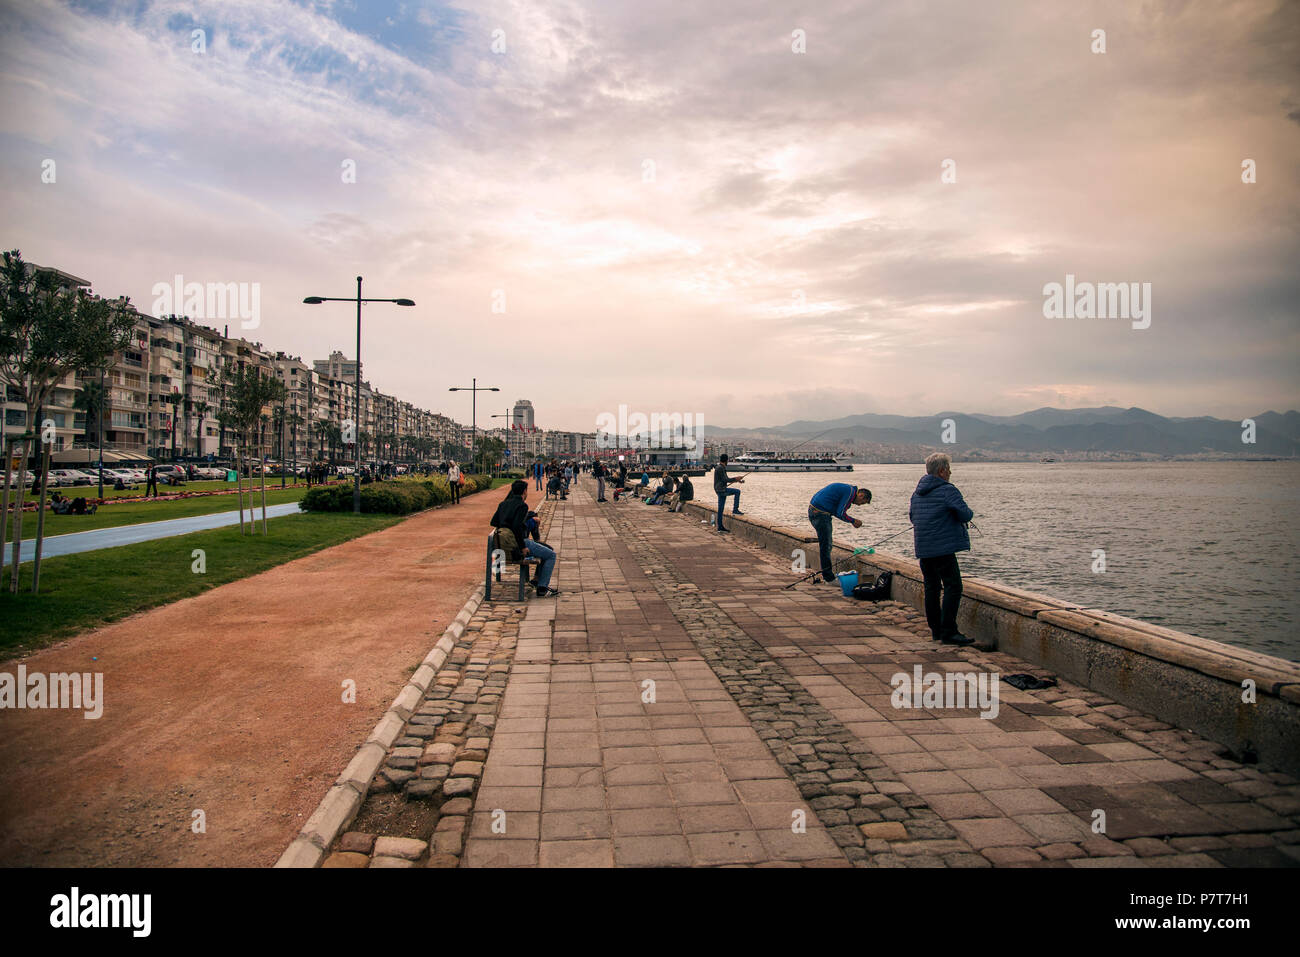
point(523, 579)
point(487, 577)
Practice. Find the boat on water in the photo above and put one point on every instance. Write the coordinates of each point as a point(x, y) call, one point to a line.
point(765, 461)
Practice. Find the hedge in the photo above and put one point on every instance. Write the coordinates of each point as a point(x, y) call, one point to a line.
point(400, 496)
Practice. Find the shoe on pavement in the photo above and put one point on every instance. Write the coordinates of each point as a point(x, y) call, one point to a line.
point(736, 511)
point(547, 592)
point(721, 529)
point(958, 639)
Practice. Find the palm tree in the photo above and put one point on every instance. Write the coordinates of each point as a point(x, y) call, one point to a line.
point(200, 410)
point(91, 400)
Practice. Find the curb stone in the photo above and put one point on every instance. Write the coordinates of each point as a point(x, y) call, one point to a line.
point(340, 805)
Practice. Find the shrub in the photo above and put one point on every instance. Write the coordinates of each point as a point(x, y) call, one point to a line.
point(400, 496)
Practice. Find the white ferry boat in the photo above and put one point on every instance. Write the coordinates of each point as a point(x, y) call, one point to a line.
point(764, 461)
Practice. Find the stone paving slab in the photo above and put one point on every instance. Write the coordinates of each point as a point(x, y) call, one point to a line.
point(676, 706)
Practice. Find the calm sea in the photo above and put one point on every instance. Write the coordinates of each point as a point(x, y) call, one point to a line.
point(1205, 548)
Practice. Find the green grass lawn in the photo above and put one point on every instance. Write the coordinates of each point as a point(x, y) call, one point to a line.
point(133, 513)
point(92, 588)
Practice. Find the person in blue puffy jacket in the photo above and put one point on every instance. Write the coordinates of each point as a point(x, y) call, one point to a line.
point(939, 515)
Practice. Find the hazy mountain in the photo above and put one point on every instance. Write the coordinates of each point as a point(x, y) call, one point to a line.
point(1106, 429)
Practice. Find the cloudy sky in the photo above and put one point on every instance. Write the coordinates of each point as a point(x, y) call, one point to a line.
point(676, 209)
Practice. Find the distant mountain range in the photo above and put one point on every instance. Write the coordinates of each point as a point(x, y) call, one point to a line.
point(1104, 430)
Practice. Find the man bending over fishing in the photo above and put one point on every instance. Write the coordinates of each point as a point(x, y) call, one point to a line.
point(833, 502)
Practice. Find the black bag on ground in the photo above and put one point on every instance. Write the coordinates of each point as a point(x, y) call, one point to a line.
point(877, 590)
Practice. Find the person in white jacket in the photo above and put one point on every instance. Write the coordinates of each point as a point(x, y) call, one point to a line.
point(453, 480)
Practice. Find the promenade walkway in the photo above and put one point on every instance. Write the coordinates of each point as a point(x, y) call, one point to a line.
point(95, 539)
point(676, 706)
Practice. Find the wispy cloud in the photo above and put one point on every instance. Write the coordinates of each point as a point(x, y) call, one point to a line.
point(680, 211)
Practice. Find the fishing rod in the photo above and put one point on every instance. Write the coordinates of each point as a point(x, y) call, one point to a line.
point(868, 550)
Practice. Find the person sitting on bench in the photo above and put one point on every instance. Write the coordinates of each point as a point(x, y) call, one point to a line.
point(510, 520)
point(533, 529)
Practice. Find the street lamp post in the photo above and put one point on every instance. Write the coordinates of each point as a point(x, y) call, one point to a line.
point(475, 389)
point(508, 415)
point(356, 397)
point(100, 410)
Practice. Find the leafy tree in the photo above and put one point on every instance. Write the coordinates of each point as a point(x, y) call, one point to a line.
point(247, 392)
point(47, 331)
point(90, 400)
point(200, 410)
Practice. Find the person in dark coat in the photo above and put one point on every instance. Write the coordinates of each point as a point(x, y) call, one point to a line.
point(939, 515)
point(151, 485)
point(722, 485)
point(512, 515)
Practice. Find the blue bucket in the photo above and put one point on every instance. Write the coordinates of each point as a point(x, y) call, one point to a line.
point(848, 582)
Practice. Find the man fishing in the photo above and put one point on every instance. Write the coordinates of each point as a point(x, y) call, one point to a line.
point(834, 501)
point(721, 485)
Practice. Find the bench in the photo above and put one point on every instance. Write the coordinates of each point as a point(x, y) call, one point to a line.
point(523, 564)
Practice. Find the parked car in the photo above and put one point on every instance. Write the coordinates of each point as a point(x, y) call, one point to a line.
point(172, 474)
point(126, 475)
point(62, 478)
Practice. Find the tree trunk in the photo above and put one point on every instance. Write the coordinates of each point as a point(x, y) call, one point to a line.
point(263, 497)
point(40, 518)
point(4, 514)
point(18, 516)
point(239, 487)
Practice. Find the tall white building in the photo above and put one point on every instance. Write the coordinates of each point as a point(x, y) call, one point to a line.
point(522, 415)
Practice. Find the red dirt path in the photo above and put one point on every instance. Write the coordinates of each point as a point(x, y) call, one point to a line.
point(231, 702)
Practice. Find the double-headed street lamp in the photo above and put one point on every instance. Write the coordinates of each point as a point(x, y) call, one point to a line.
point(356, 398)
point(475, 389)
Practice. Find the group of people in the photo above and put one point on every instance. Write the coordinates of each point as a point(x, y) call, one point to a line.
point(939, 516)
point(672, 490)
point(555, 478)
point(937, 511)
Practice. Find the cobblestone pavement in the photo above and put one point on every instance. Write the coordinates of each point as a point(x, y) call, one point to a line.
point(676, 706)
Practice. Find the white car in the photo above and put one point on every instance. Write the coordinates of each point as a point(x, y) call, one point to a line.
point(112, 475)
point(63, 478)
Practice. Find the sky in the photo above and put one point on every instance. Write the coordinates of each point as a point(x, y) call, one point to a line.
point(752, 212)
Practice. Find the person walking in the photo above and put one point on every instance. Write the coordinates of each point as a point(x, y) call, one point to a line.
point(453, 482)
point(834, 501)
point(537, 474)
point(151, 485)
point(511, 522)
point(939, 515)
point(598, 471)
point(721, 485)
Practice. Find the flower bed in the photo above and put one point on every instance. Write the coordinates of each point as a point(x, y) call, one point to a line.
point(30, 506)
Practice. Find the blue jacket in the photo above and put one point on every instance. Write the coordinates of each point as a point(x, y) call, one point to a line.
point(836, 499)
point(939, 515)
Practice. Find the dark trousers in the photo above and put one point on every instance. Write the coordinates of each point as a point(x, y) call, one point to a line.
point(722, 502)
point(941, 573)
point(455, 492)
point(151, 487)
point(821, 523)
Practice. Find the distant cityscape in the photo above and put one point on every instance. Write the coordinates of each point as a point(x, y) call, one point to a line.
point(161, 398)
